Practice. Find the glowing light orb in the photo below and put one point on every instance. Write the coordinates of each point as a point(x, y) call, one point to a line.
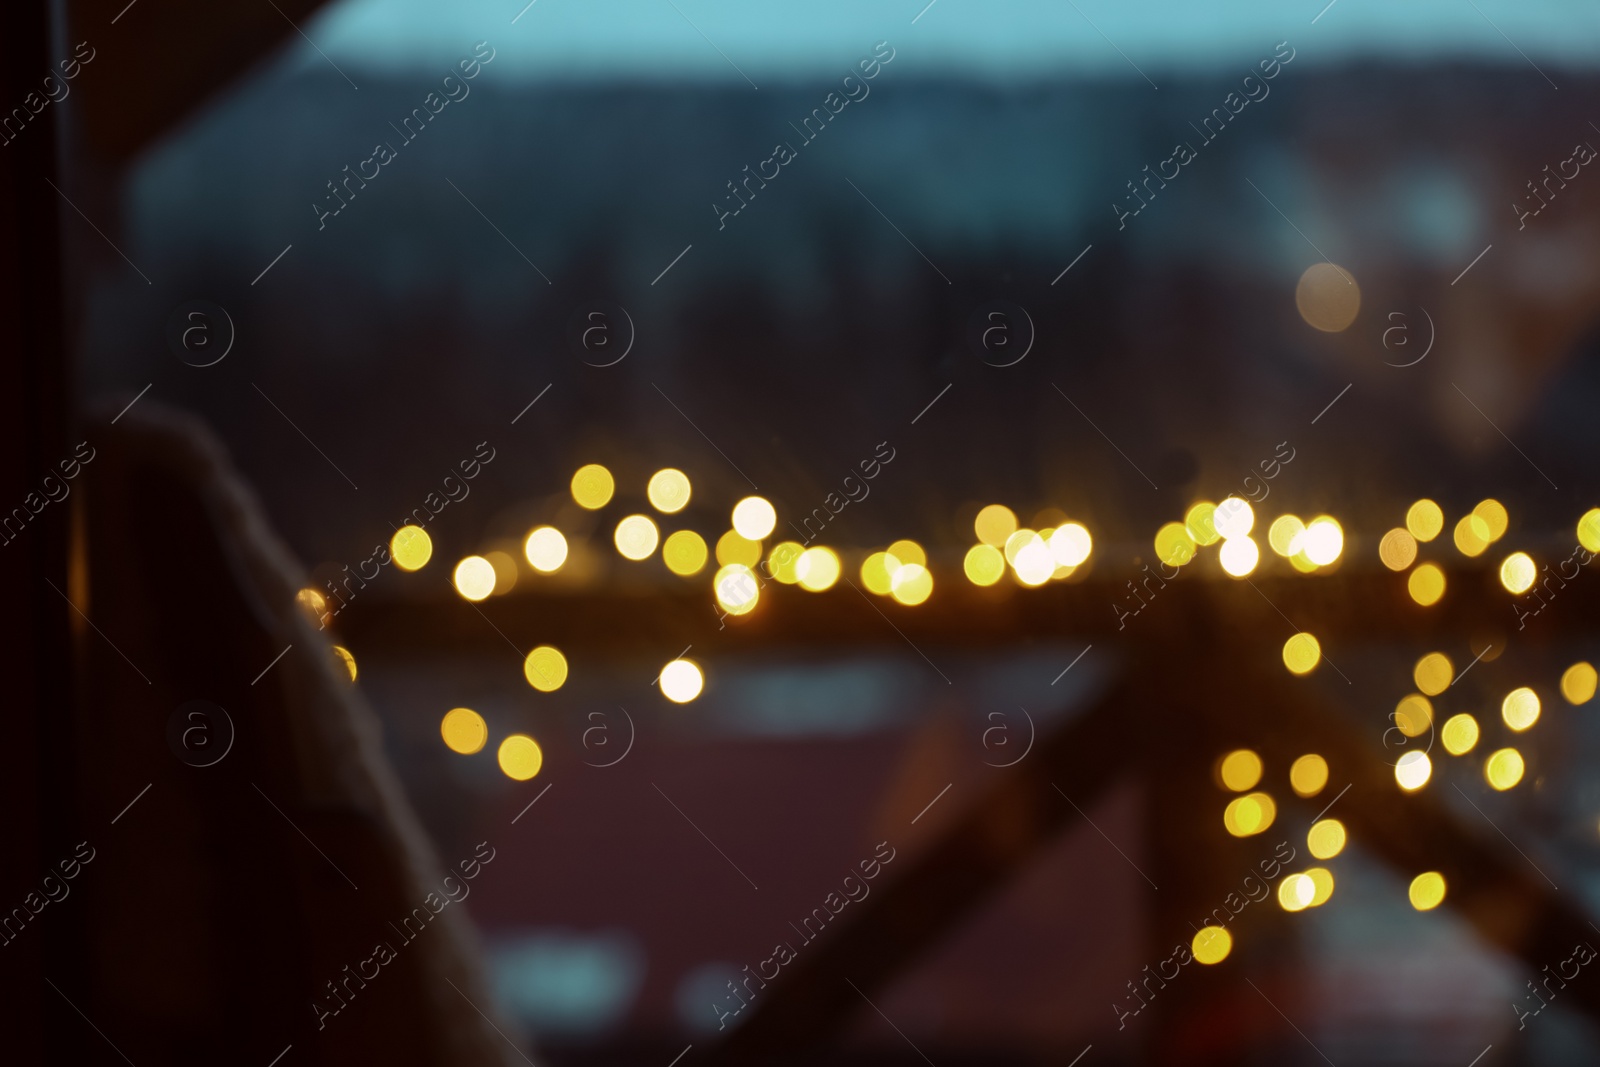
point(546, 549)
point(520, 757)
point(474, 578)
point(755, 518)
point(463, 730)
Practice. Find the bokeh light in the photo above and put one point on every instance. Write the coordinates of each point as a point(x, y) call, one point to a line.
point(984, 565)
point(346, 660)
point(1323, 540)
point(1282, 534)
point(681, 681)
point(1240, 770)
point(782, 559)
point(1295, 892)
point(1459, 734)
point(1322, 878)
point(817, 569)
point(1520, 708)
point(1517, 573)
point(545, 668)
point(636, 537)
point(911, 584)
point(876, 572)
point(545, 549)
point(474, 578)
point(735, 547)
point(684, 553)
point(1233, 518)
point(1589, 530)
point(736, 588)
point(1200, 522)
point(1301, 653)
point(505, 571)
point(1433, 673)
point(1503, 769)
point(755, 518)
point(669, 490)
point(464, 731)
point(1413, 770)
point(1030, 557)
point(520, 757)
point(1328, 297)
point(1427, 891)
point(1578, 683)
point(1398, 549)
point(592, 486)
point(1211, 945)
point(1413, 715)
point(1239, 556)
point(1471, 535)
point(1494, 516)
point(1071, 544)
point(1426, 585)
point(1326, 839)
point(994, 524)
point(411, 548)
point(1425, 520)
point(1249, 814)
point(1308, 775)
point(908, 552)
point(1174, 545)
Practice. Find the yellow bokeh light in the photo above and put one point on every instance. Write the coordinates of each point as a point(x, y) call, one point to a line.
point(1459, 734)
point(1413, 715)
point(1426, 585)
point(1295, 892)
point(411, 548)
point(1301, 653)
point(1471, 535)
point(313, 603)
point(1398, 549)
point(681, 680)
point(736, 588)
point(1174, 546)
point(1578, 683)
point(1239, 556)
point(1211, 945)
point(1030, 558)
point(1589, 530)
point(1504, 769)
point(1308, 775)
point(1424, 519)
point(1200, 522)
point(1071, 544)
point(911, 584)
point(735, 547)
point(984, 565)
point(520, 757)
point(1282, 533)
point(1323, 540)
point(1413, 770)
point(1433, 673)
point(545, 668)
point(474, 577)
point(1495, 519)
point(1427, 891)
point(1233, 518)
point(669, 490)
point(755, 518)
point(817, 569)
point(1300, 561)
point(1240, 770)
point(1520, 708)
point(1517, 573)
point(1326, 839)
point(592, 486)
point(908, 552)
point(636, 537)
point(1249, 814)
point(782, 559)
point(1322, 878)
point(684, 553)
point(877, 572)
point(545, 548)
point(1328, 297)
point(994, 524)
point(464, 731)
point(346, 660)
point(505, 571)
